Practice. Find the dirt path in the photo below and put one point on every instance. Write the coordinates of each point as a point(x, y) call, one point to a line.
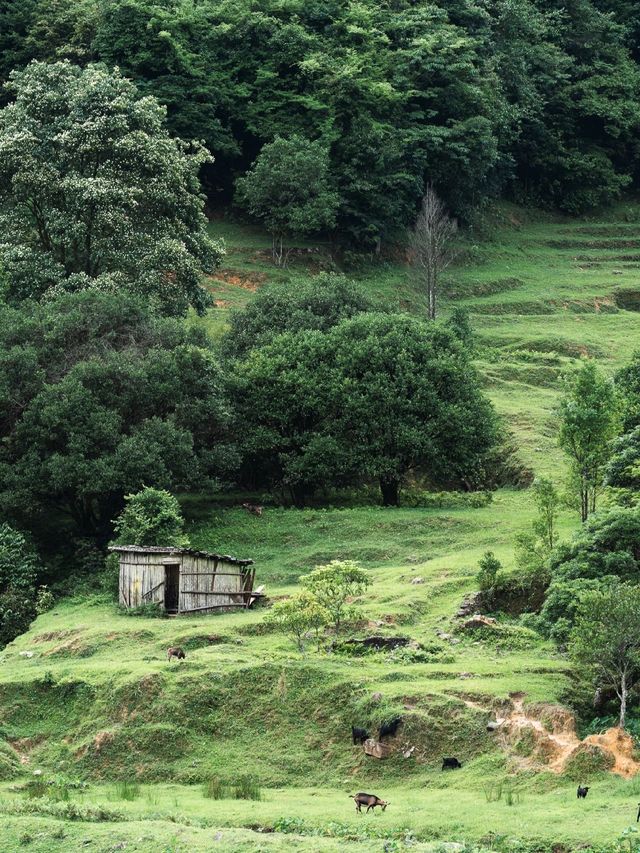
point(551, 732)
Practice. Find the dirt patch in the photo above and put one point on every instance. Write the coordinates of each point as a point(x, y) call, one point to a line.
point(55, 635)
point(543, 736)
point(239, 278)
point(72, 648)
point(101, 740)
point(24, 745)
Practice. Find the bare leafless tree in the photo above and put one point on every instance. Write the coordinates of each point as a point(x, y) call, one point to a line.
point(431, 246)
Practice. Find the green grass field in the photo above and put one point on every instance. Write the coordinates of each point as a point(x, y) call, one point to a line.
point(88, 696)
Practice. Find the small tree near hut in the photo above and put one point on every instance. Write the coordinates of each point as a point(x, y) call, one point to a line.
point(606, 639)
point(298, 616)
point(431, 246)
point(334, 585)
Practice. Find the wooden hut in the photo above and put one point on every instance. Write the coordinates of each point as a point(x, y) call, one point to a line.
point(181, 580)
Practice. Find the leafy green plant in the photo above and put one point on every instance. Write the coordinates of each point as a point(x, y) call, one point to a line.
point(247, 788)
point(215, 789)
point(489, 566)
point(333, 585)
point(126, 789)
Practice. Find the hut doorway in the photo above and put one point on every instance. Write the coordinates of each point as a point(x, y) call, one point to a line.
point(171, 587)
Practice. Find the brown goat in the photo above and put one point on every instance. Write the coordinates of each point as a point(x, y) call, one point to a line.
point(254, 509)
point(368, 800)
point(175, 652)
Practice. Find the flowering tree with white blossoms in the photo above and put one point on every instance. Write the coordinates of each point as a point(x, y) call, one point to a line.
point(94, 193)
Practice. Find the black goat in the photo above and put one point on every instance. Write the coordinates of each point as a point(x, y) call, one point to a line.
point(582, 792)
point(390, 728)
point(451, 764)
point(358, 735)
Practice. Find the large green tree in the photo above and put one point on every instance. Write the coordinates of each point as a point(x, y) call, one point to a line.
point(300, 303)
point(375, 397)
point(98, 398)
point(94, 193)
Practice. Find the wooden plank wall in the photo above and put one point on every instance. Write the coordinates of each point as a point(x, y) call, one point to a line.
point(201, 576)
point(141, 579)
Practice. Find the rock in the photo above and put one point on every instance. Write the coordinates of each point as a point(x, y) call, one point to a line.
point(378, 642)
point(376, 697)
point(408, 752)
point(376, 749)
point(417, 580)
point(470, 604)
point(492, 725)
point(466, 675)
point(26, 654)
point(479, 621)
point(442, 635)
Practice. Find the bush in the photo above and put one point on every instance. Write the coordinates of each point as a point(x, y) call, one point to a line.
point(247, 788)
point(151, 517)
point(44, 600)
point(215, 789)
point(19, 569)
point(489, 566)
point(445, 500)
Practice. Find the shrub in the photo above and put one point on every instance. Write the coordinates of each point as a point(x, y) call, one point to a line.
point(215, 789)
point(247, 788)
point(489, 566)
point(44, 600)
point(151, 517)
point(127, 789)
point(333, 585)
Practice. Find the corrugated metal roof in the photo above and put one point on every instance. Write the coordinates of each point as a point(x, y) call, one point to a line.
point(159, 549)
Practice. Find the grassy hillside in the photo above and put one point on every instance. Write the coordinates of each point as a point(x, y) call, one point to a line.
point(87, 695)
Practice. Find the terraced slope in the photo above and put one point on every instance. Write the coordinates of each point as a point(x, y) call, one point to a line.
point(87, 693)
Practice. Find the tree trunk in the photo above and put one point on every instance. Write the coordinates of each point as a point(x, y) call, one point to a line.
point(276, 249)
point(584, 498)
point(389, 489)
point(623, 703)
point(431, 312)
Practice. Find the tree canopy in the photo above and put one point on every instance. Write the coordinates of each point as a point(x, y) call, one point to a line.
point(100, 397)
point(376, 396)
point(589, 422)
point(95, 193)
point(292, 306)
point(288, 188)
point(606, 639)
point(538, 98)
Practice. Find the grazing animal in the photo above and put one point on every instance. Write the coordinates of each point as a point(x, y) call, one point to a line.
point(358, 735)
point(638, 818)
point(368, 800)
point(582, 792)
point(175, 652)
point(450, 764)
point(254, 509)
point(390, 728)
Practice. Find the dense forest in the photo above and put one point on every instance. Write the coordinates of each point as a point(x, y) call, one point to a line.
point(536, 99)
